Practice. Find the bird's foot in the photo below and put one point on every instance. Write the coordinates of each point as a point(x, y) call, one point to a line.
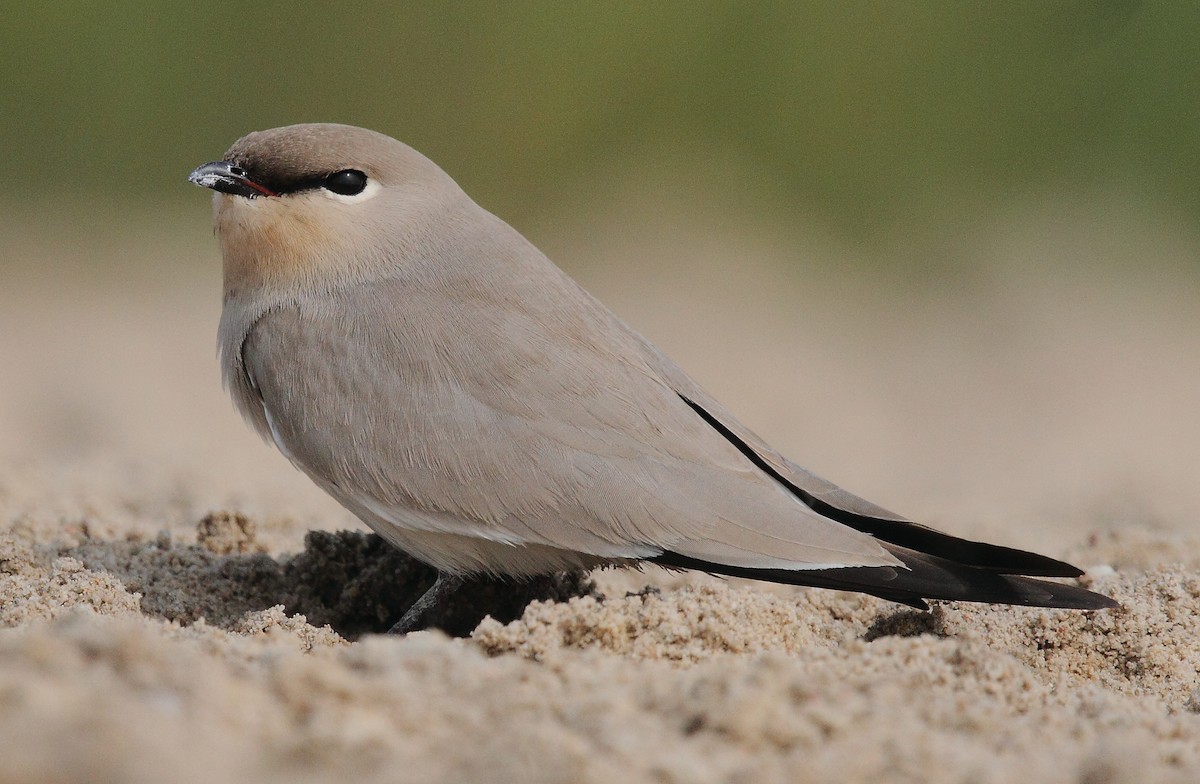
point(434, 599)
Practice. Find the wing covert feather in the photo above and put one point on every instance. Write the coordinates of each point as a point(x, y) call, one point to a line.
point(507, 419)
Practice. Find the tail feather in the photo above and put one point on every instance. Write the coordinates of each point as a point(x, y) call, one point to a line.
point(926, 577)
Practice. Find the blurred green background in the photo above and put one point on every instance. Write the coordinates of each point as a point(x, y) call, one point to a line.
point(875, 120)
point(944, 253)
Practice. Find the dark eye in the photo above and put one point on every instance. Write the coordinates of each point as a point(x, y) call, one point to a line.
point(349, 182)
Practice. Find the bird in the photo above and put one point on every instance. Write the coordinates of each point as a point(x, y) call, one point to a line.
point(434, 372)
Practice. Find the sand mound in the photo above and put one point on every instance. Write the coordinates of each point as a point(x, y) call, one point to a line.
point(127, 659)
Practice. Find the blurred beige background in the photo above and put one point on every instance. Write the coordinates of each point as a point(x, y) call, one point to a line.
point(945, 256)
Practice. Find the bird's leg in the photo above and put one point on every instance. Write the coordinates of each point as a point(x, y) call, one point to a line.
point(432, 600)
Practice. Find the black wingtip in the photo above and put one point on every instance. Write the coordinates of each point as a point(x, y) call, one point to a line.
point(980, 555)
point(938, 565)
point(902, 533)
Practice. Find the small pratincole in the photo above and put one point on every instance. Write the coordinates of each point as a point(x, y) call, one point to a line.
point(434, 372)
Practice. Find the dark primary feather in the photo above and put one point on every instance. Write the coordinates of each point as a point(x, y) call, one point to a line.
point(927, 577)
point(940, 566)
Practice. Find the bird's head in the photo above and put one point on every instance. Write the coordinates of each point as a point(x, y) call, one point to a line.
point(310, 205)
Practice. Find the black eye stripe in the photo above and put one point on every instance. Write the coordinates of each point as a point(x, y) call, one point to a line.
point(345, 182)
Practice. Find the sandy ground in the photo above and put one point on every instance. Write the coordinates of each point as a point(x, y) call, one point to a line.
point(153, 562)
